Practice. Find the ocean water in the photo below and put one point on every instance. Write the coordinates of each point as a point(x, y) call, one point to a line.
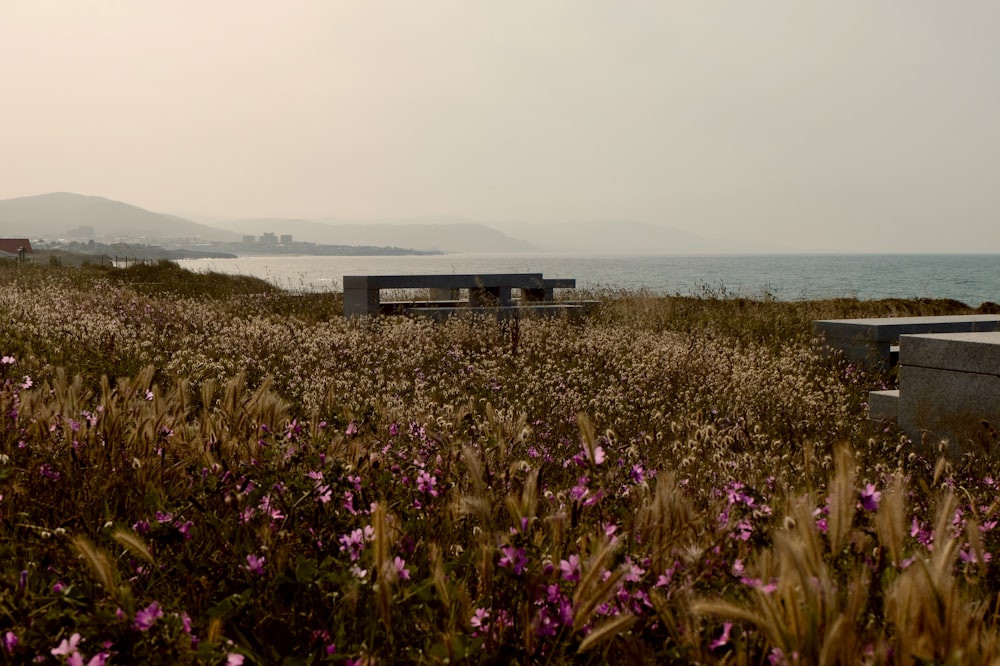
point(971, 279)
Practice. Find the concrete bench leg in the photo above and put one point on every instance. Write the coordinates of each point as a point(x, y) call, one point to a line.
point(537, 295)
point(443, 294)
point(489, 297)
point(361, 302)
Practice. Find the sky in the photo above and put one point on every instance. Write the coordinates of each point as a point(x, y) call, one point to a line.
point(869, 126)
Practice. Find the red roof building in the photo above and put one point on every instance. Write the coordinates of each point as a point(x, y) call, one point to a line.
point(15, 246)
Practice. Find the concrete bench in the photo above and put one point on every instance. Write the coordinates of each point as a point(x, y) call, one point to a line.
point(874, 341)
point(487, 292)
point(949, 384)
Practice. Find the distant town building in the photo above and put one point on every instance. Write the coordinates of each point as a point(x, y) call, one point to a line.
point(249, 240)
point(14, 248)
point(286, 239)
point(268, 238)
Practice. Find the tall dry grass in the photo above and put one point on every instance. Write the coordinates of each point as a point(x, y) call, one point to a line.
point(188, 476)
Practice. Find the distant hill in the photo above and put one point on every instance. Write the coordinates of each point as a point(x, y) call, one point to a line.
point(427, 233)
point(66, 215)
point(76, 217)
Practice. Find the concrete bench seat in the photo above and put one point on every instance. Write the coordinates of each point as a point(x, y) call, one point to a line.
point(502, 312)
point(871, 341)
point(949, 384)
point(486, 292)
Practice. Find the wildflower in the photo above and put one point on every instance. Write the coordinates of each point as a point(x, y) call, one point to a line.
point(923, 536)
point(352, 544)
point(400, 564)
point(580, 490)
point(48, 472)
point(27, 383)
point(234, 659)
point(870, 498)
point(66, 647)
point(970, 556)
point(479, 619)
point(147, 617)
point(426, 483)
point(723, 638)
point(9, 639)
point(7, 360)
point(514, 558)
point(184, 528)
point(743, 530)
point(570, 568)
point(255, 565)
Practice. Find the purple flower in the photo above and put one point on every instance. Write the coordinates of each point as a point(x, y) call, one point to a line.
point(400, 565)
point(570, 568)
point(870, 498)
point(723, 638)
point(9, 640)
point(479, 619)
point(66, 647)
point(743, 530)
point(255, 565)
point(426, 483)
point(48, 472)
point(147, 617)
point(353, 544)
point(514, 558)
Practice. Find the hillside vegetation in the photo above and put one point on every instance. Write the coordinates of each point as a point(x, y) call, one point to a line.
point(206, 469)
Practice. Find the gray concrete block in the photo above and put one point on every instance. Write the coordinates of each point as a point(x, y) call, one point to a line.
point(960, 352)
point(883, 405)
point(945, 403)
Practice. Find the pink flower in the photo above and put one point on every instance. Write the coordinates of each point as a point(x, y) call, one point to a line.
point(514, 558)
point(426, 483)
point(255, 565)
point(870, 498)
point(67, 647)
point(723, 638)
point(147, 617)
point(570, 568)
point(480, 618)
point(234, 659)
point(400, 564)
point(353, 544)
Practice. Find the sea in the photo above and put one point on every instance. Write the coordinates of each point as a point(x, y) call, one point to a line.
point(970, 278)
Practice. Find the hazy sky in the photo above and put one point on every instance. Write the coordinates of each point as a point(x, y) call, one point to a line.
point(872, 123)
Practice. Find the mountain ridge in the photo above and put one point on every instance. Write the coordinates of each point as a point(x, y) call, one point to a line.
point(77, 216)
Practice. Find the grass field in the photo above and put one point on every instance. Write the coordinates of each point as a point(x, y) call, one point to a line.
point(205, 469)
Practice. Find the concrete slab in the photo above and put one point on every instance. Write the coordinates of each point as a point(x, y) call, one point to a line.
point(870, 340)
point(961, 352)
